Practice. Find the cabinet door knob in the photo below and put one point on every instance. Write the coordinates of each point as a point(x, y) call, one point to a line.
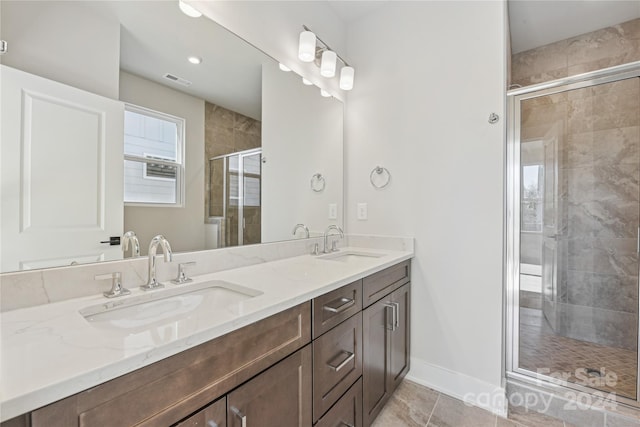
point(239, 414)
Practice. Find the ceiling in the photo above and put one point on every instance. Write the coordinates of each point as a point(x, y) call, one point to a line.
point(535, 23)
point(230, 74)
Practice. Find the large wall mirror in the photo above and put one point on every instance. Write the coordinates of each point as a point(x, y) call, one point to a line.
point(131, 116)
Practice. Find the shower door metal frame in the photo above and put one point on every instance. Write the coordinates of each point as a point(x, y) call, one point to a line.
point(512, 220)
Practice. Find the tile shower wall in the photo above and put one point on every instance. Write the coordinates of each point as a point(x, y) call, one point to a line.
point(616, 45)
point(598, 132)
point(228, 132)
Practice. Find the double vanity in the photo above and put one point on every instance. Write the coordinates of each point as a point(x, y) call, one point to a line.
point(300, 341)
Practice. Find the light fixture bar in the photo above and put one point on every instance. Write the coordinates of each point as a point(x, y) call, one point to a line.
point(327, 46)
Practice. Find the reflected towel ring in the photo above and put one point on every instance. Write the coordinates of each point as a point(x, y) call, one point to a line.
point(317, 182)
point(380, 177)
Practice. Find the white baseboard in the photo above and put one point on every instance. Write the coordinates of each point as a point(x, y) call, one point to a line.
point(455, 384)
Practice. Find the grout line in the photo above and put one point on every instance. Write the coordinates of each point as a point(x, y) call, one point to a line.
point(433, 409)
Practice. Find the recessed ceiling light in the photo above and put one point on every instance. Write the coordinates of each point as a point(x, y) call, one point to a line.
point(284, 68)
point(194, 59)
point(307, 82)
point(189, 10)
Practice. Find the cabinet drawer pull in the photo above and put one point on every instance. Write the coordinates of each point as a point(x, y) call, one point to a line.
point(349, 358)
point(339, 305)
point(239, 414)
point(343, 423)
point(211, 423)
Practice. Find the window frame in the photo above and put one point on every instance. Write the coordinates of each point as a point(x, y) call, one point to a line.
point(147, 158)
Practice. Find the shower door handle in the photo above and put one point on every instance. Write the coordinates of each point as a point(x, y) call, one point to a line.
point(638, 241)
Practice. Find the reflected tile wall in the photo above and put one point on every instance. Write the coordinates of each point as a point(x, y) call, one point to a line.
point(619, 44)
point(226, 132)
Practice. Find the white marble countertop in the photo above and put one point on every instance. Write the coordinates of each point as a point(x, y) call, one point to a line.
point(50, 351)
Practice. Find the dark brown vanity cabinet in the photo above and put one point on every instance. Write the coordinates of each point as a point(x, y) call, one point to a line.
point(330, 362)
point(386, 347)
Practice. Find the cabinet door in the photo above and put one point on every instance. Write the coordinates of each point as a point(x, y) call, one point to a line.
point(376, 327)
point(214, 415)
point(279, 397)
point(385, 349)
point(399, 338)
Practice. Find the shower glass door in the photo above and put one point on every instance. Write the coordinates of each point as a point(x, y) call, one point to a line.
point(235, 197)
point(577, 291)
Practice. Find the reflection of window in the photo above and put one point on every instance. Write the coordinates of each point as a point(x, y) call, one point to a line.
point(532, 191)
point(153, 157)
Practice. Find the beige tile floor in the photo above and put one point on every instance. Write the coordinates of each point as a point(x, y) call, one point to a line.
point(413, 405)
point(541, 348)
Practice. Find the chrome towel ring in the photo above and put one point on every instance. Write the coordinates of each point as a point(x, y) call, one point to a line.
point(380, 177)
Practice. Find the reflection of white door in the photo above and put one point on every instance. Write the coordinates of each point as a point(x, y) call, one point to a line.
point(62, 173)
point(550, 227)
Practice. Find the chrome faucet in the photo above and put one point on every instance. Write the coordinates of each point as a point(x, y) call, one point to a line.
point(304, 227)
point(153, 283)
point(130, 237)
point(326, 237)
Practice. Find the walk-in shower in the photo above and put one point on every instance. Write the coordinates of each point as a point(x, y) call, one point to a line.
point(573, 214)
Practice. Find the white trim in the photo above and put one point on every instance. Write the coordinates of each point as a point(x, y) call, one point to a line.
point(469, 389)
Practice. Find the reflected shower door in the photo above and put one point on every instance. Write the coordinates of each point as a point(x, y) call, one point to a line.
point(251, 186)
point(234, 197)
point(580, 322)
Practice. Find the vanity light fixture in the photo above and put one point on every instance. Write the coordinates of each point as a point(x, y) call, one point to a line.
point(306, 82)
point(195, 60)
point(284, 68)
point(324, 57)
point(324, 93)
point(189, 10)
point(307, 46)
point(328, 64)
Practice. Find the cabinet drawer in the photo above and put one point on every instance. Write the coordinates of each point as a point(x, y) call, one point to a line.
point(384, 282)
point(332, 308)
point(337, 363)
point(214, 415)
point(348, 410)
point(169, 390)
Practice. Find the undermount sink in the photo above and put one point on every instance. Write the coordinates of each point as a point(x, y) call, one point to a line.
point(142, 310)
point(350, 256)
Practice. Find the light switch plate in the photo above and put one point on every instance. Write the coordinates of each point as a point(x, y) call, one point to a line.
point(362, 211)
point(333, 211)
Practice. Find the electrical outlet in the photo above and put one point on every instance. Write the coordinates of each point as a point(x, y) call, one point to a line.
point(362, 211)
point(333, 211)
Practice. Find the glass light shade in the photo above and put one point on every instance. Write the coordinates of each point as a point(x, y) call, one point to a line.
point(284, 68)
point(307, 46)
point(324, 93)
point(189, 10)
point(328, 64)
point(346, 78)
point(306, 82)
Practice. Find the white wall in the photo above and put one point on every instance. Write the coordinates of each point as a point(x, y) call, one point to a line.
point(274, 28)
point(301, 136)
point(63, 41)
point(184, 227)
point(429, 75)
